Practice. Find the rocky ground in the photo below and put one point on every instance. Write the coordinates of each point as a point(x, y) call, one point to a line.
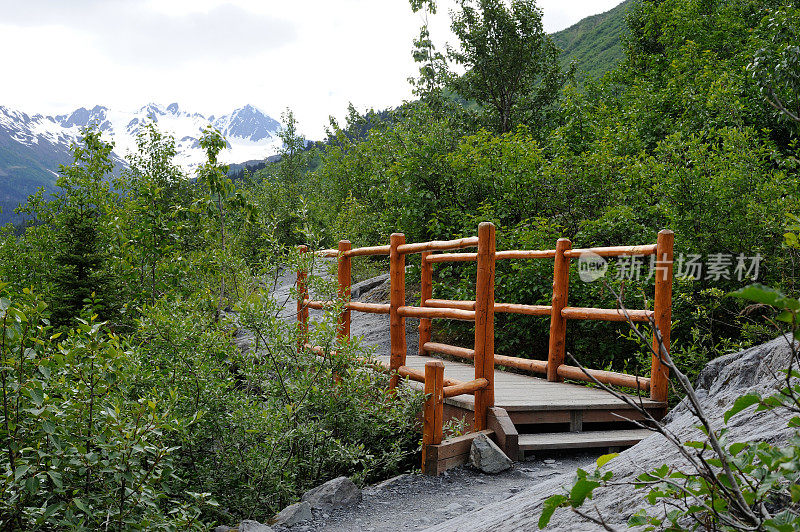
point(417, 502)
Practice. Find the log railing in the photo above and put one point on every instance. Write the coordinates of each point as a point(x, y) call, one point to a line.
point(482, 310)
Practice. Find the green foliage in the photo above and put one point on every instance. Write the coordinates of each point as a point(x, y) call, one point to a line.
point(594, 44)
point(152, 216)
point(77, 453)
point(275, 422)
point(776, 60)
point(512, 64)
point(78, 231)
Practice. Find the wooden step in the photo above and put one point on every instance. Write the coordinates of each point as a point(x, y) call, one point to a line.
point(579, 440)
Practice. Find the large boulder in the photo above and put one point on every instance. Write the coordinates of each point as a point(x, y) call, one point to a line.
point(720, 383)
point(293, 514)
point(487, 457)
point(248, 525)
point(334, 494)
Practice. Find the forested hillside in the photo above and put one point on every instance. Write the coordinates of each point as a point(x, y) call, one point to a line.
point(595, 43)
point(126, 403)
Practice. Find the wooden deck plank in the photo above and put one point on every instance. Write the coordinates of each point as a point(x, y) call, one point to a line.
point(516, 392)
point(577, 440)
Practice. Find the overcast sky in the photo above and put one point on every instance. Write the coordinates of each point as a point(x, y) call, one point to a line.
point(211, 56)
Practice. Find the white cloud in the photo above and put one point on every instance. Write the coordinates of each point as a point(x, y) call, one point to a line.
point(313, 56)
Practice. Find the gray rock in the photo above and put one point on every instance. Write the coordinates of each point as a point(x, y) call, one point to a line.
point(358, 289)
point(486, 456)
point(294, 513)
point(337, 493)
point(248, 525)
point(223, 528)
point(388, 484)
point(720, 383)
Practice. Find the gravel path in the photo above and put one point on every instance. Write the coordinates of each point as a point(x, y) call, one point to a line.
point(413, 501)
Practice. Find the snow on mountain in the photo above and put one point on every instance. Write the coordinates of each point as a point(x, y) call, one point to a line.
point(251, 133)
point(32, 146)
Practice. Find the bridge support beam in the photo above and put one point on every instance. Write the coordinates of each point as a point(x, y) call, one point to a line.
point(662, 310)
point(344, 275)
point(302, 308)
point(397, 299)
point(484, 323)
point(558, 323)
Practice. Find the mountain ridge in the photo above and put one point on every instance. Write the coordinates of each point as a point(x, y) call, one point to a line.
point(32, 146)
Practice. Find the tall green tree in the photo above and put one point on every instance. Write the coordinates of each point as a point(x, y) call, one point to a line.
point(156, 191)
point(78, 221)
point(512, 64)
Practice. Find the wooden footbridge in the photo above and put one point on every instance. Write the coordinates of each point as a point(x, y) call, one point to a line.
point(521, 412)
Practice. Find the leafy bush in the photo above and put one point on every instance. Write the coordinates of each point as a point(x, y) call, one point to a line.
point(77, 453)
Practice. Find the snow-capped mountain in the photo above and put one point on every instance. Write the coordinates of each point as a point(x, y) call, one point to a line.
point(32, 146)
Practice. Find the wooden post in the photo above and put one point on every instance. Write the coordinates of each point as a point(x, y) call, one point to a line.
point(558, 323)
point(344, 275)
point(397, 299)
point(302, 309)
point(434, 406)
point(484, 323)
point(659, 373)
point(426, 291)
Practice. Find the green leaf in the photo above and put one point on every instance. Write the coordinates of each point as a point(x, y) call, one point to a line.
point(741, 403)
point(20, 471)
point(603, 460)
point(736, 448)
point(81, 506)
point(758, 293)
point(582, 489)
point(549, 507)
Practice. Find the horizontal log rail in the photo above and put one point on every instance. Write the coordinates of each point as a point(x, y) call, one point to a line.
point(431, 313)
point(419, 376)
point(526, 254)
point(500, 255)
point(465, 388)
point(438, 245)
point(606, 377)
point(370, 308)
point(508, 308)
point(612, 251)
point(605, 314)
point(530, 310)
point(450, 303)
point(452, 257)
point(446, 349)
point(367, 251)
point(327, 253)
point(528, 364)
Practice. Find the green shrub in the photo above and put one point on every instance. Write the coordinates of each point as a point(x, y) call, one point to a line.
point(77, 453)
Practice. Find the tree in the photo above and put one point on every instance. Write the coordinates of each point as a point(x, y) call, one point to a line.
point(512, 64)
point(221, 198)
point(77, 217)
point(776, 60)
point(155, 190)
point(433, 72)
